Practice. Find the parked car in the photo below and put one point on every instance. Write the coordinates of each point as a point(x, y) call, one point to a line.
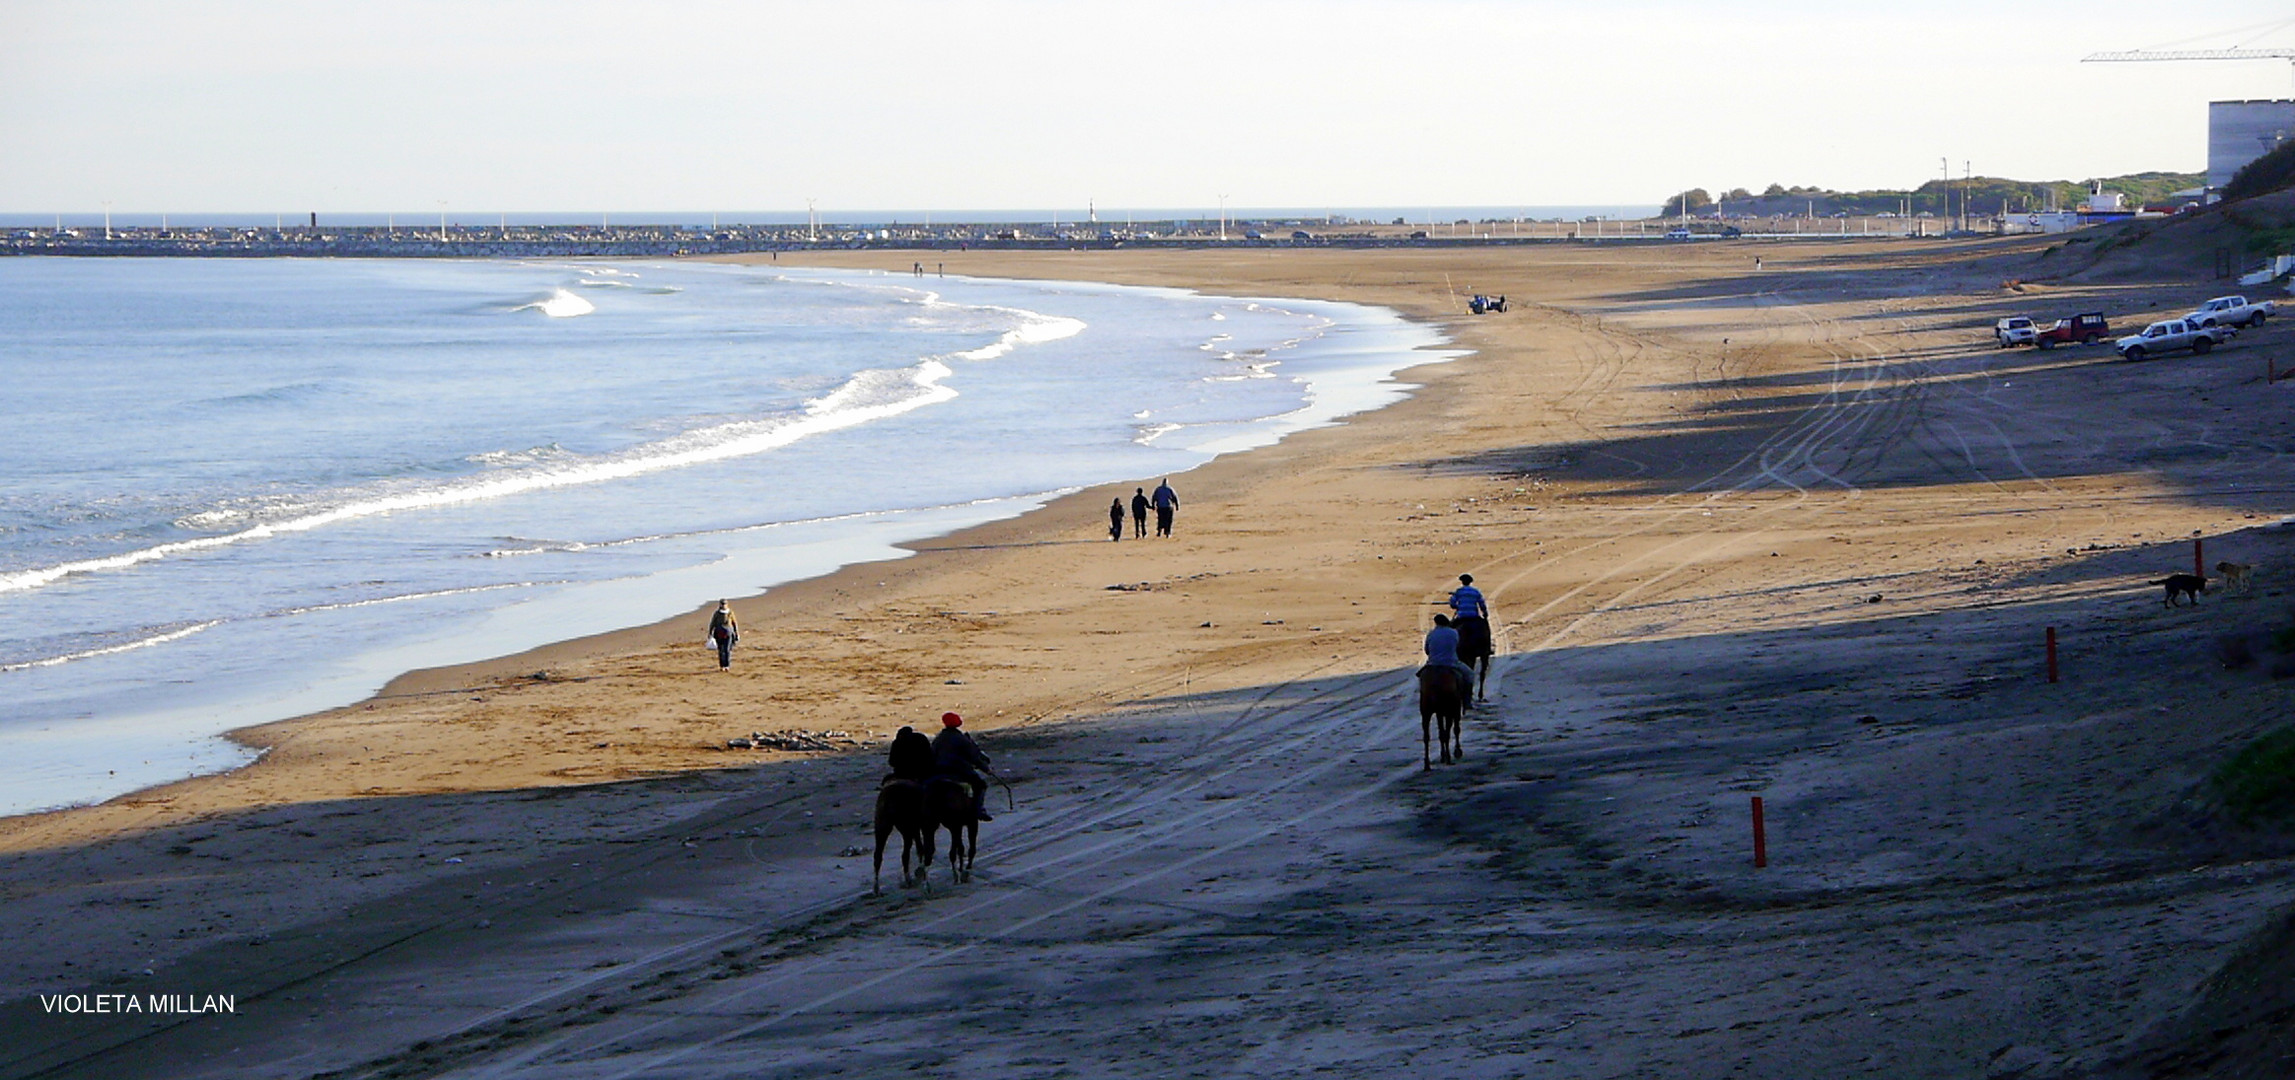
point(2086, 328)
point(2013, 331)
point(2233, 311)
point(1677, 234)
point(2170, 335)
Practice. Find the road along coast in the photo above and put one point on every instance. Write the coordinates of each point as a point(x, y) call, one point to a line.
point(1793, 533)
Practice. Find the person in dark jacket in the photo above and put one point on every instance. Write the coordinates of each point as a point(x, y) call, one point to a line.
point(1139, 513)
point(956, 756)
point(911, 757)
point(723, 633)
point(1116, 520)
point(1166, 504)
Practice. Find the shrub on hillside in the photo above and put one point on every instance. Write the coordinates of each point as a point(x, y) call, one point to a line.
point(2264, 175)
point(2259, 781)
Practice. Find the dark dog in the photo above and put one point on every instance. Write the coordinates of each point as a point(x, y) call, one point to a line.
point(2189, 584)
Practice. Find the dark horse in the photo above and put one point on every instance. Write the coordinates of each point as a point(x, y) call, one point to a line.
point(1440, 698)
point(1474, 649)
point(948, 805)
point(900, 805)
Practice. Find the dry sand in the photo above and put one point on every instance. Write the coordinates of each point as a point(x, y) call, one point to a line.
point(1795, 533)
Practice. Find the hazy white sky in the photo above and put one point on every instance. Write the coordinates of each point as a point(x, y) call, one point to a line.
point(629, 105)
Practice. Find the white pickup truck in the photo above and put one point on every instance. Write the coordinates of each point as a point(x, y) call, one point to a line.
point(2233, 311)
point(2171, 335)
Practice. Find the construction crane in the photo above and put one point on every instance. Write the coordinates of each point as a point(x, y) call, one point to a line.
point(2192, 54)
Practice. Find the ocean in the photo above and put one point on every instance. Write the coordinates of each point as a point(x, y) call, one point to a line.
point(235, 491)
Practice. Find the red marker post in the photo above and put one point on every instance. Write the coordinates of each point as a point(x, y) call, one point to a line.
point(2051, 654)
point(1760, 837)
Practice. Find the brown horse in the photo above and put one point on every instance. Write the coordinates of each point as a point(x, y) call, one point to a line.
point(1440, 700)
point(948, 805)
point(1474, 649)
point(900, 805)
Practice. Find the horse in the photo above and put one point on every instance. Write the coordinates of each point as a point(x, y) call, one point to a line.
point(1440, 698)
point(900, 805)
point(948, 805)
point(1474, 649)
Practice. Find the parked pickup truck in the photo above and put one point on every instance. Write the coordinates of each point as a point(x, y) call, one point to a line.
point(2086, 328)
point(2013, 331)
point(2233, 311)
point(2170, 335)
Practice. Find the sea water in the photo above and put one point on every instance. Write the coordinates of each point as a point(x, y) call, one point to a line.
point(237, 491)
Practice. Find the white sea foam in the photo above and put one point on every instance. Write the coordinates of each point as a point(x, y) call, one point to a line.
point(140, 643)
point(1034, 329)
point(1149, 433)
point(868, 395)
point(560, 304)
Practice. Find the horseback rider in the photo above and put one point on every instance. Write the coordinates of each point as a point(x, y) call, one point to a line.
point(911, 757)
point(956, 757)
point(1442, 652)
point(1470, 614)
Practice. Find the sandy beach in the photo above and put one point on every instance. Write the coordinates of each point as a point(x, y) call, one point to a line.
point(1797, 532)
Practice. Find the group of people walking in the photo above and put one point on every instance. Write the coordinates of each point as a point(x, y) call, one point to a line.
point(1165, 503)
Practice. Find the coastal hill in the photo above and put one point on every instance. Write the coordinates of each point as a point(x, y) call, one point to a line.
point(2216, 242)
point(1984, 194)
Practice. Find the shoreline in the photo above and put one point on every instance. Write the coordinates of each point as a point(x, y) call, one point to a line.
point(1046, 523)
point(592, 615)
point(1789, 535)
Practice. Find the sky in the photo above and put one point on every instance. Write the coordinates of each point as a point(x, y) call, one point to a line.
point(696, 106)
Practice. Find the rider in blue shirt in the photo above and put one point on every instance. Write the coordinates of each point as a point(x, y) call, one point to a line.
point(1442, 651)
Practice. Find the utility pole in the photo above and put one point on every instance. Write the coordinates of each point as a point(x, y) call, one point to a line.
point(1223, 219)
point(442, 221)
point(107, 219)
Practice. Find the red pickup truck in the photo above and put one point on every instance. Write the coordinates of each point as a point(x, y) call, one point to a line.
point(2086, 328)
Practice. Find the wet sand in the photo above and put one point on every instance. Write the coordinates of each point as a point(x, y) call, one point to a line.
point(1794, 533)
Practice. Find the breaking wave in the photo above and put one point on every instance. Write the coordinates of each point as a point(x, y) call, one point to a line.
point(560, 304)
point(866, 396)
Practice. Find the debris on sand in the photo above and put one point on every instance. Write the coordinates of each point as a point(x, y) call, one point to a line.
point(819, 742)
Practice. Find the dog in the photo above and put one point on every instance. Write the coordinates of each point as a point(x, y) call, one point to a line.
point(2235, 575)
point(2189, 584)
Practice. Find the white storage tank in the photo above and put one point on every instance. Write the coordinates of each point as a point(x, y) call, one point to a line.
point(2241, 131)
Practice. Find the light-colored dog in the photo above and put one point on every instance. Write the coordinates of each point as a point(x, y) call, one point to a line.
point(2236, 576)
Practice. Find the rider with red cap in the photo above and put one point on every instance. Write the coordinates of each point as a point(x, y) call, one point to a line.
point(957, 757)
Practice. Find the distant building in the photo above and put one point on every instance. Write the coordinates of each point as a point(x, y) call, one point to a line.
point(2241, 131)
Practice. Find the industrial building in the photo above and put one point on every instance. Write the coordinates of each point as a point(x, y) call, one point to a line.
point(2241, 131)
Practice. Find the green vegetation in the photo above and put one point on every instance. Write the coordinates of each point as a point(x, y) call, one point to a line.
point(1693, 201)
point(1984, 195)
point(2258, 783)
point(2264, 175)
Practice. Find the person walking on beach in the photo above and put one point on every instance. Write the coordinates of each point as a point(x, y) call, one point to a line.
point(1116, 520)
point(723, 633)
point(1139, 513)
point(956, 756)
point(1166, 502)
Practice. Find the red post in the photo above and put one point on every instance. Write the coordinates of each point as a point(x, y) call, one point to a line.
point(2198, 561)
point(1760, 836)
point(2051, 654)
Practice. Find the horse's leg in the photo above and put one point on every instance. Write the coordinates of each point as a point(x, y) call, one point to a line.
point(971, 847)
point(877, 876)
point(1482, 677)
point(1425, 739)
